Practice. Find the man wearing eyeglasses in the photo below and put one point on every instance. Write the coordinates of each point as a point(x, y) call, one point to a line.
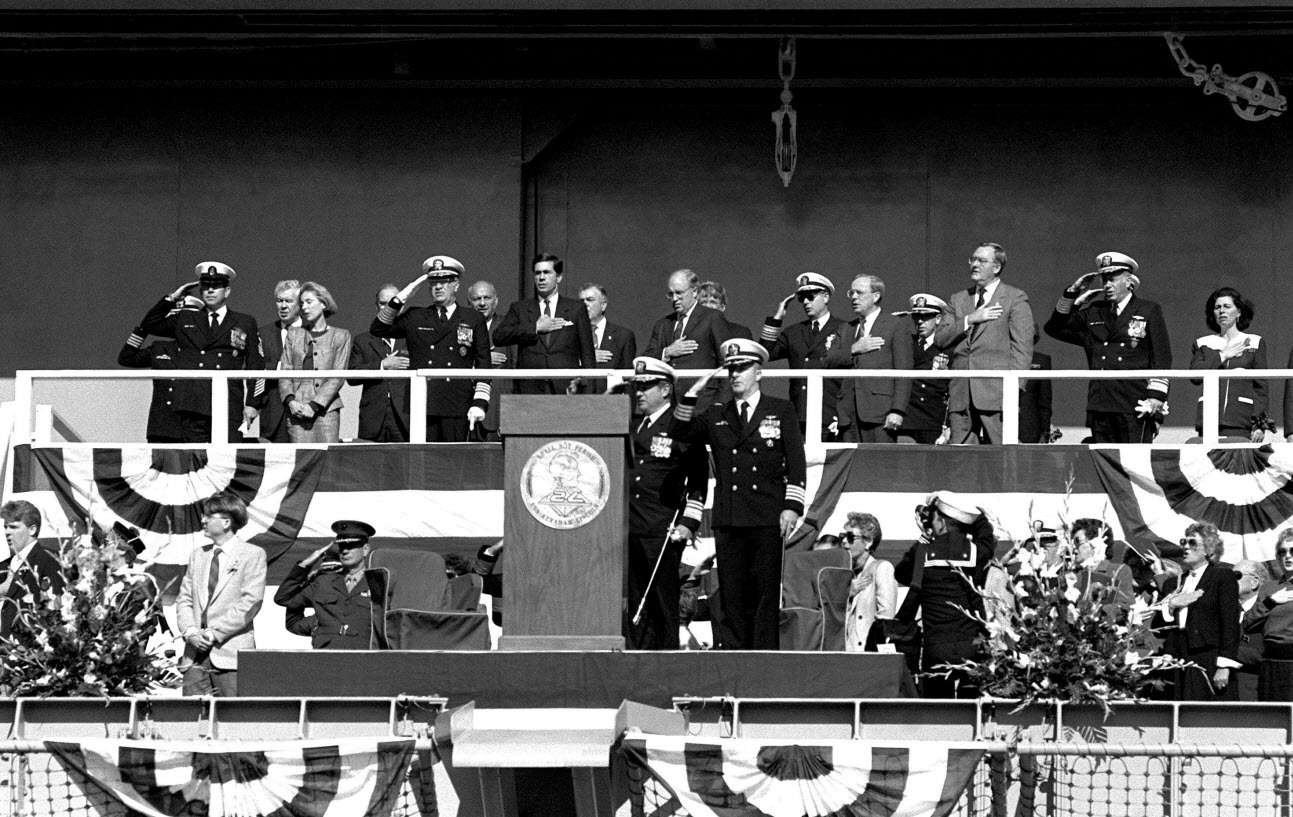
point(991, 328)
point(692, 335)
point(805, 345)
point(1201, 618)
point(872, 410)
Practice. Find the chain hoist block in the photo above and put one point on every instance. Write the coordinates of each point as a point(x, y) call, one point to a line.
point(1253, 96)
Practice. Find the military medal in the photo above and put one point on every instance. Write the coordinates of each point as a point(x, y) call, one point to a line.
point(464, 335)
point(1136, 330)
point(238, 338)
point(770, 429)
point(940, 361)
point(661, 446)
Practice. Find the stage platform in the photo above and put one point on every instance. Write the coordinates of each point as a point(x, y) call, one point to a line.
point(503, 680)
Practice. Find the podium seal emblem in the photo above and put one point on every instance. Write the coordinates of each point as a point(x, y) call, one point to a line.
point(565, 484)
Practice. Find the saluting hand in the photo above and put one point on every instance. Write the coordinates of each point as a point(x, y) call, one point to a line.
point(784, 305)
point(178, 294)
point(407, 292)
point(313, 558)
point(1085, 281)
point(699, 385)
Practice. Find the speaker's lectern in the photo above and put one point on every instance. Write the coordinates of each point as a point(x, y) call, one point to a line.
point(566, 521)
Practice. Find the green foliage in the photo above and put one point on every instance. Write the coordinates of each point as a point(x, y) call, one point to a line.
point(90, 639)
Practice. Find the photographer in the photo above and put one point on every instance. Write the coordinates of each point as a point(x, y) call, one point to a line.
point(945, 570)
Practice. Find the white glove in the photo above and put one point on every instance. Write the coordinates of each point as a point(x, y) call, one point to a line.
point(475, 415)
point(407, 292)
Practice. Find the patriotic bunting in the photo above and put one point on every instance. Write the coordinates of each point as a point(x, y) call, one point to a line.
point(289, 779)
point(752, 778)
point(1245, 492)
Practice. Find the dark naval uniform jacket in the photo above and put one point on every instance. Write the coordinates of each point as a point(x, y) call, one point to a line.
point(1136, 339)
point(163, 424)
point(346, 619)
point(461, 342)
point(760, 469)
point(804, 350)
point(927, 406)
point(668, 476)
point(233, 344)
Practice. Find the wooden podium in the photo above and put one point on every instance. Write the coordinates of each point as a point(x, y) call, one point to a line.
point(565, 521)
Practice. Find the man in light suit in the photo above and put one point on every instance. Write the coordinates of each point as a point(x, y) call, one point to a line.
point(991, 328)
point(549, 332)
point(384, 404)
point(872, 410)
point(220, 594)
point(273, 419)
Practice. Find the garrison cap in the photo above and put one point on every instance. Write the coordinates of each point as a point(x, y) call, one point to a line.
point(1112, 263)
point(442, 268)
point(808, 281)
point(923, 305)
point(650, 369)
point(213, 272)
point(739, 351)
point(352, 533)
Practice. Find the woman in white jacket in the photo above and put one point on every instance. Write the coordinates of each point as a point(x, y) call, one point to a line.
point(873, 594)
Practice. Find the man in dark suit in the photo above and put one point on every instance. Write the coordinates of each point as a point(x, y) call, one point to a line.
point(215, 338)
point(483, 297)
point(384, 404)
point(29, 564)
point(692, 336)
point(445, 335)
point(760, 492)
point(714, 295)
point(1201, 618)
point(287, 304)
point(549, 332)
point(805, 345)
point(615, 346)
point(872, 410)
point(992, 327)
point(1124, 331)
point(927, 406)
point(670, 482)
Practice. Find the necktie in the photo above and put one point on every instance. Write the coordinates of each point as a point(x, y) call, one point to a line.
point(212, 315)
point(308, 363)
point(982, 294)
point(817, 327)
point(745, 415)
point(646, 421)
point(679, 326)
point(390, 345)
point(213, 580)
point(546, 312)
point(443, 313)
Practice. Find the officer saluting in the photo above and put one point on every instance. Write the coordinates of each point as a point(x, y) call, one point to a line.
point(349, 600)
point(805, 345)
point(213, 337)
point(1123, 331)
point(927, 407)
point(445, 335)
point(670, 482)
point(760, 473)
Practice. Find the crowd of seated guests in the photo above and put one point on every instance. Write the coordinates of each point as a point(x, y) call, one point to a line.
point(988, 324)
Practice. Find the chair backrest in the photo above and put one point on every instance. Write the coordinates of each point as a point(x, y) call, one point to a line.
point(463, 592)
point(418, 580)
point(799, 575)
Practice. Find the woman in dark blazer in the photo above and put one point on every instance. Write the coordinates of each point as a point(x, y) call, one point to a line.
point(1230, 346)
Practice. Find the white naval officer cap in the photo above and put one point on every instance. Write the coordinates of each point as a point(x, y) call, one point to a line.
point(650, 369)
point(215, 272)
point(442, 268)
point(924, 305)
point(1112, 263)
point(739, 351)
point(809, 281)
point(954, 506)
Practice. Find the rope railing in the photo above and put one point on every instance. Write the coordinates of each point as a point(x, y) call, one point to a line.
point(1012, 381)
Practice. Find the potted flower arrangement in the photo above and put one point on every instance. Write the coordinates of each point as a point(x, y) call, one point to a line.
point(91, 638)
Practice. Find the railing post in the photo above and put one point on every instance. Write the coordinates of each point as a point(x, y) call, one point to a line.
point(219, 408)
point(22, 389)
point(418, 408)
point(1211, 417)
point(813, 409)
point(1009, 408)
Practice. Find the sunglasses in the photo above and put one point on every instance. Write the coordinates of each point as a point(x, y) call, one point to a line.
point(1191, 544)
point(1282, 552)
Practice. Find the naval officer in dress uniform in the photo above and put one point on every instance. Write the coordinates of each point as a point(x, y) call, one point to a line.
point(349, 600)
point(445, 335)
point(670, 480)
point(760, 476)
point(213, 337)
point(927, 406)
point(1123, 331)
point(805, 345)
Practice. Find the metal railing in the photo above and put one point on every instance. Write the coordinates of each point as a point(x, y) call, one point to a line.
point(1012, 380)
